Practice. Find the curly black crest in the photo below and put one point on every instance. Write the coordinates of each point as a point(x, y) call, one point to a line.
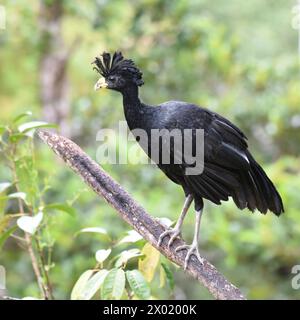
point(107, 65)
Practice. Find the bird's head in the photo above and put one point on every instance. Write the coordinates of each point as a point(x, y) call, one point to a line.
point(117, 73)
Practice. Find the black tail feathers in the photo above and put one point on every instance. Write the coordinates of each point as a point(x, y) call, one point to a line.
point(264, 195)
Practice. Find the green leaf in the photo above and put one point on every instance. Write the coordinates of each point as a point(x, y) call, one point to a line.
point(88, 284)
point(149, 263)
point(28, 177)
point(162, 277)
point(30, 224)
point(2, 129)
point(28, 126)
point(5, 235)
point(132, 236)
point(102, 255)
point(169, 275)
point(15, 137)
point(113, 285)
point(93, 230)
point(22, 115)
point(138, 284)
point(94, 284)
point(4, 186)
point(61, 207)
point(126, 255)
point(3, 200)
point(5, 220)
point(17, 195)
point(80, 284)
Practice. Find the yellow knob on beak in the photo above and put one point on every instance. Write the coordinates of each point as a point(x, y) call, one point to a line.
point(100, 84)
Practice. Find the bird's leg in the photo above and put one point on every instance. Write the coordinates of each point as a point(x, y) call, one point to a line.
point(193, 249)
point(176, 231)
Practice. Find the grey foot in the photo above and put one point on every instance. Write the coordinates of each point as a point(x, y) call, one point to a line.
point(191, 250)
point(173, 233)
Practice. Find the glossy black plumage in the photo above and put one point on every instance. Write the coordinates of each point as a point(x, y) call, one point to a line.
point(229, 168)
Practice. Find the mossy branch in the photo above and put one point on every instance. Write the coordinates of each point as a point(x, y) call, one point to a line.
point(130, 211)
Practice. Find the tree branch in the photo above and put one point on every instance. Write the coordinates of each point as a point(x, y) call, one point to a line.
point(130, 211)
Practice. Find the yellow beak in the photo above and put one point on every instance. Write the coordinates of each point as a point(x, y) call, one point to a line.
point(100, 84)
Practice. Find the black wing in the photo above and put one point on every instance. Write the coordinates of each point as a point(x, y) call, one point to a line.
point(230, 170)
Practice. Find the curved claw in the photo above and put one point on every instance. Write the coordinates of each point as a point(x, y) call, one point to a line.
point(183, 247)
point(173, 233)
point(191, 250)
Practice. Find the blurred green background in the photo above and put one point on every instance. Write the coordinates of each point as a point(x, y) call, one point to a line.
point(237, 58)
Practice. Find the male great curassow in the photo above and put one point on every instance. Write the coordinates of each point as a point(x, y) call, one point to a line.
point(229, 169)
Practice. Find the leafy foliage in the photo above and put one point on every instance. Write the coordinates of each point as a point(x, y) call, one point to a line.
point(233, 59)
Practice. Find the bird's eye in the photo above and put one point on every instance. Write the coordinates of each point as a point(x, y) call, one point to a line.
point(112, 78)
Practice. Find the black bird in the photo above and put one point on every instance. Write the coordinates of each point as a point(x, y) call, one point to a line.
point(229, 168)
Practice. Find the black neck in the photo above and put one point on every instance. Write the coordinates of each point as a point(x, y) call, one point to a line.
point(131, 97)
point(132, 104)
